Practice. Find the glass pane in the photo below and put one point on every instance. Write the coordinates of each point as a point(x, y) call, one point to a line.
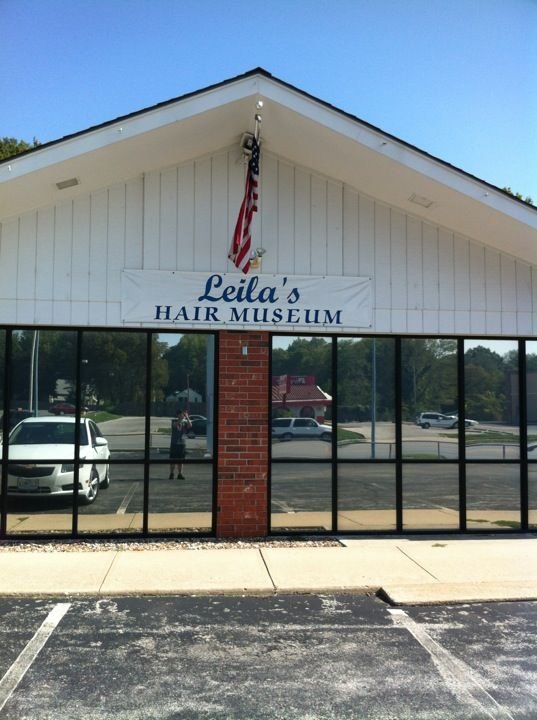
point(429, 398)
point(181, 505)
point(493, 496)
point(430, 496)
point(366, 411)
point(301, 397)
point(531, 386)
point(366, 497)
point(301, 497)
point(41, 449)
point(113, 377)
point(2, 364)
point(119, 504)
point(491, 395)
point(532, 494)
point(182, 381)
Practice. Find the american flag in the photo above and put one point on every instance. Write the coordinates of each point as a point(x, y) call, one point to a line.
point(242, 237)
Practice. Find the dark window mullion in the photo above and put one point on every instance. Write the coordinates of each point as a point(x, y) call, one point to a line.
point(398, 437)
point(523, 430)
point(147, 430)
point(78, 386)
point(461, 405)
point(334, 436)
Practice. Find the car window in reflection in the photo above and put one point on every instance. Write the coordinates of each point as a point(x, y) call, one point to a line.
point(48, 433)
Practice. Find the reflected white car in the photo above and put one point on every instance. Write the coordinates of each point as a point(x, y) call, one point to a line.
point(289, 428)
point(435, 419)
point(41, 459)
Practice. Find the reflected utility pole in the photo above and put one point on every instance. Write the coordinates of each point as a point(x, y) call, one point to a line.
point(34, 376)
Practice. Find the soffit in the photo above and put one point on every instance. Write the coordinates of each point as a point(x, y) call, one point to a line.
point(295, 126)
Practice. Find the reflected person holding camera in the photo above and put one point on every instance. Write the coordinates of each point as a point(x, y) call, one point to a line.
point(181, 425)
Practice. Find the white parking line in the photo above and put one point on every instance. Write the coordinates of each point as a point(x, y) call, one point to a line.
point(122, 509)
point(17, 671)
point(460, 678)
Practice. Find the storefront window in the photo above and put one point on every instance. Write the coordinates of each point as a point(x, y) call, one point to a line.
point(41, 409)
point(100, 475)
point(366, 398)
point(182, 433)
point(430, 496)
point(493, 496)
point(492, 422)
point(366, 497)
point(429, 406)
point(301, 413)
point(301, 497)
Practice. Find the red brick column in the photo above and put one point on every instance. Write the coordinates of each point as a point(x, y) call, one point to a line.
point(243, 422)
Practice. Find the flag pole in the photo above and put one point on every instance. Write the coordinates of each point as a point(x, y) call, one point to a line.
point(240, 252)
point(258, 119)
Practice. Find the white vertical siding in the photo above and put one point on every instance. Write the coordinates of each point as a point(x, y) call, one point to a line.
point(26, 268)
point(62, 264)
point(350, 256)
point(44, 271)
point(429, 270)
point(334, 229)
point(286, 225)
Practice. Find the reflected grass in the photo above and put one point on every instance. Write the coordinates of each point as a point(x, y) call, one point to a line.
point(102, 416)
point(488, 437)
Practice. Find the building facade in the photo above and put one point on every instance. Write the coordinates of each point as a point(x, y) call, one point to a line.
point(392, 299)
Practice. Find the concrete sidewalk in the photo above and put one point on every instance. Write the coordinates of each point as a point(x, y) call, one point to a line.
point(402, 570)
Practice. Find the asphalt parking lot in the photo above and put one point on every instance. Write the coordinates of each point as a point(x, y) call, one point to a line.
point(279, 657)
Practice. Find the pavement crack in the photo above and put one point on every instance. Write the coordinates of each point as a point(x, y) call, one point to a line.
point(260, 550)
point(107, 573)
point(417, 563)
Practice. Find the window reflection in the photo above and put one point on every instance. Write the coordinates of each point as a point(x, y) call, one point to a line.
point(430, 496)
point(493, 496)
point(301, 397)
point(429, 398)
point(181, 504)
point(531, 398)
point(2, 369)
point(532, 495)
point(111, 403)
point(366, 398)
point(119, 506)
point(366, 496)
point(41, 410)
point(182, 380)
point(301, 497)
point(491, 398)
point(531, 389)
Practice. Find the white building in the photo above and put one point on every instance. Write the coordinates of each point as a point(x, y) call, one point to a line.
point(118, 236)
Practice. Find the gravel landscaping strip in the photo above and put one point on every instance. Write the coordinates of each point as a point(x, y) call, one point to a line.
point(48, 546)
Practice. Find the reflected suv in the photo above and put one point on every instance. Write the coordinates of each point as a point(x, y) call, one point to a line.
point(435, 419)
point(289, 428)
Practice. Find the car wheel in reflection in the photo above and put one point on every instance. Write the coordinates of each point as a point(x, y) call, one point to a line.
point(105, 482)
point(93, 489)
point(287, 436)
point(326, 437)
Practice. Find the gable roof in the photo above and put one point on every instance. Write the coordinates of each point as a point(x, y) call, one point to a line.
point(297, 126)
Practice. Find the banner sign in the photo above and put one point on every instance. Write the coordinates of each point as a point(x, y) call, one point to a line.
point(231, 301)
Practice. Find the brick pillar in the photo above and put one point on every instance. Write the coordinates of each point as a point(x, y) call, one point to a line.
point(243, 422)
